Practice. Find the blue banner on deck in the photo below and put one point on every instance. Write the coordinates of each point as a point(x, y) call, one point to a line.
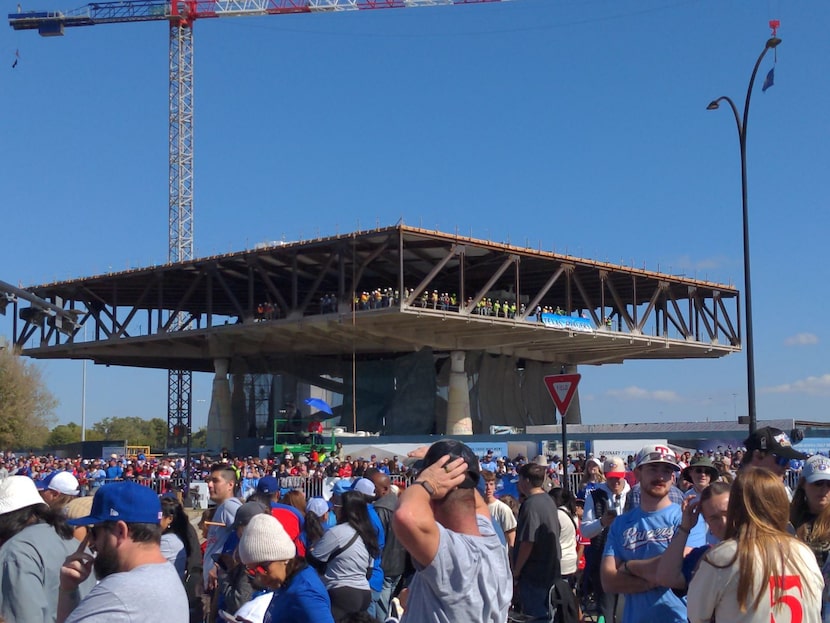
point(570, 323)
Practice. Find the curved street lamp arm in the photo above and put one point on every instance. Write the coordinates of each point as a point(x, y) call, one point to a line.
point(772, 42)
point(725, 98)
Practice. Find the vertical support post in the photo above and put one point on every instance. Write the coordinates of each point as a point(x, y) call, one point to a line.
point(459, 421)
point(564, 482)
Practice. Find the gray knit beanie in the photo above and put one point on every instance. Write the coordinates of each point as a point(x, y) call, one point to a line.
point(265, 540)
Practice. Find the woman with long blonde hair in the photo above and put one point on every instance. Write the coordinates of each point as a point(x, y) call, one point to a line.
point(759, 573)
point(592, 477)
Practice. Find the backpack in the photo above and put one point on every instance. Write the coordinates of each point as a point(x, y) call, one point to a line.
point(562, 605)
point(594, 555)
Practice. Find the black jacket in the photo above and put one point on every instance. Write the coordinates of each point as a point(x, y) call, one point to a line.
point(393, 560)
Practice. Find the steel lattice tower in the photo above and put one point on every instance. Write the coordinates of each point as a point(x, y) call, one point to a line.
point(180, 236)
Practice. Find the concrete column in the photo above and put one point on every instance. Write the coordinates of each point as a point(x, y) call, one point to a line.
point(575, 410)
point(459, 421)
point(220, 420)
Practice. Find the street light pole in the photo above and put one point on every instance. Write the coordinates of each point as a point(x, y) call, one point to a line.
point(771, 43)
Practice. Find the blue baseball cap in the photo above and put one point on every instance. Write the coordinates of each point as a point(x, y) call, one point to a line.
point(43, 483)
point(341, 486)
point(267, 485)
point(124, 501)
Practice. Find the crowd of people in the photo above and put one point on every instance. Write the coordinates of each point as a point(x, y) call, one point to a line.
point(382, 298)
point(650, 537)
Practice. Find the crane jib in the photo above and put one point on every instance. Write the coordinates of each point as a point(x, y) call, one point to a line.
point(52, 23)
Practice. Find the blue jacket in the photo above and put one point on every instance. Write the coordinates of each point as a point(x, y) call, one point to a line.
point(376, 581)
point(303, 600)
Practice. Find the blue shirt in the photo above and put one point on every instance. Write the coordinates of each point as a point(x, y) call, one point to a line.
point(303, 600)
point(376, 581)
point(639, 535)
point(584, 491)
point(690, 562)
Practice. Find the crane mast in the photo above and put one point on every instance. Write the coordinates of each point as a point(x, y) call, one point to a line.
point(180, 15)
point(180, 213)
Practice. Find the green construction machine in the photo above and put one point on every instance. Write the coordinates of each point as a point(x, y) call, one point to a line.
point(289, 436)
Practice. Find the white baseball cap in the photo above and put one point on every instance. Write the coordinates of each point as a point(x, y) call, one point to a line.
point(816, 468)
point(614, 467)
point(365, 486)
point(62, 482)
point(18, 492)
point(657, 454)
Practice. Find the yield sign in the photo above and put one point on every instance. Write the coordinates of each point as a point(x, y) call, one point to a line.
point(562, 388)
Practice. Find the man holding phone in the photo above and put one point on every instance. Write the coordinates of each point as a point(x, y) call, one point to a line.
point(136, 581)
point(602, 505)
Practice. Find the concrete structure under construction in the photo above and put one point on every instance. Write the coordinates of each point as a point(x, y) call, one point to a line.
point(419, 331)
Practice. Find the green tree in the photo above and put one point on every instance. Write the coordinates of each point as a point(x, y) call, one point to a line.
point(70, 433)
point(157, 431)
point(199, 438)
point(64, 433)
point(134, 430)
point(26, 405)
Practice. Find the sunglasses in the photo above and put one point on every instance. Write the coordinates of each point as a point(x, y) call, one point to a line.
point(821, 483)
point(257, 570)
point(701, 470)
point(262, 568)
point(781, 461)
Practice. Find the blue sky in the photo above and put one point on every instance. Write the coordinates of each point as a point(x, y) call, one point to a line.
point(577, 125)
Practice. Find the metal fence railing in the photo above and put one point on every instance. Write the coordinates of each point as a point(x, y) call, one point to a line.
point(319, 487)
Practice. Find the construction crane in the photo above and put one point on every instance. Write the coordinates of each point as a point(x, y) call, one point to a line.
point(181, 15)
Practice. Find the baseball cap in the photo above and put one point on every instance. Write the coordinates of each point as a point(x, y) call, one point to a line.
point(364, 486)
point(773, 440)
point(246, 512)
point(614, 467)
point(124, 501)
point(657, 454)
point(455, 449)
point(341, 486)
point(18, 492)
point(62, 482)
point(318, 506)
point(816, 468)
point(267, 485)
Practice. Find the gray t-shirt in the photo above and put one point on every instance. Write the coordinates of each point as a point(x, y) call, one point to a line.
point(30, 565)
point(173, 550)
point(147, 593)
point(217, 535)
point(349, 568)
point(468, 580)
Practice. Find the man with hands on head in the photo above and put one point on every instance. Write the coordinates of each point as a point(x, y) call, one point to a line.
point(462, 571)
point(136, 581)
